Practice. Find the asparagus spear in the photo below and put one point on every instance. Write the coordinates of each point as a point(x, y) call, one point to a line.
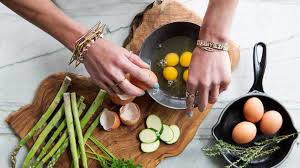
point(91, 129)
point(89, 132)
point(43, 119)
point(78, 130)
point(62, 144)
point(70, 128)
point(57, 132)
point(44, 134)
point(38, 163)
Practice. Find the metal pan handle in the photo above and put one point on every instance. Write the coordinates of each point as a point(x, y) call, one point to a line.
point(259, 67)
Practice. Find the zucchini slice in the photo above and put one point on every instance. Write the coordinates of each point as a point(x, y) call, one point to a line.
point(148, 136)
point(167, 133)
point(153, 121)
point(176, 132)
point(150, 147)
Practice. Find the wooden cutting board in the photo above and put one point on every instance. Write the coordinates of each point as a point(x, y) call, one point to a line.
point(122, 142)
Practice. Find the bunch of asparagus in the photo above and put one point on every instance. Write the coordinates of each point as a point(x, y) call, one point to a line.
point(71, 109)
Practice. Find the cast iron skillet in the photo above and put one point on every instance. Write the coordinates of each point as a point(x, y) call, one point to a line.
point(153, 41)
point(232, 114)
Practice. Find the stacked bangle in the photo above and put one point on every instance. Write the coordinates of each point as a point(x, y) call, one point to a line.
point(83, 43)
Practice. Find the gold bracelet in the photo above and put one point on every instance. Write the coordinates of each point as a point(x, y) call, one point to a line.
point(84, 43)
point(211, 46)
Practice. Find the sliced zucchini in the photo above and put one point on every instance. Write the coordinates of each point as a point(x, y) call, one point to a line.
point(156, 132)
point(150, 147)
point(153, 121)
point(167, 134)
point(176, 132)
point(148, 136)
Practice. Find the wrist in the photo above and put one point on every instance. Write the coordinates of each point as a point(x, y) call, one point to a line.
point(213, 35)
point(72, 34)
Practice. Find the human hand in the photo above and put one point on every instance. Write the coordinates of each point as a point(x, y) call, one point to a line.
point(108, 64)
point(209, 75)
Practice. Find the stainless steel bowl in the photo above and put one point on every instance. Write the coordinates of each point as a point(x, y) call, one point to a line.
point(160, 35)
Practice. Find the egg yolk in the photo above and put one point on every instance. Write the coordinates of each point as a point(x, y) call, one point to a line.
point(170, 73)
point(185, 75)
point(185, 59)
point(171, 59)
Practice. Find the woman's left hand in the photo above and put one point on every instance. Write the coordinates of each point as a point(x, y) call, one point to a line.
point(209, 75)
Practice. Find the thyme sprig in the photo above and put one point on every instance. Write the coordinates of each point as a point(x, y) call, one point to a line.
point(246, 154)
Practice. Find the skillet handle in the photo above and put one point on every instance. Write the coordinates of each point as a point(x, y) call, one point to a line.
point(259, 67)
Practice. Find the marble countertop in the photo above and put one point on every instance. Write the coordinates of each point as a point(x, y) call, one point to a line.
point(28, 55)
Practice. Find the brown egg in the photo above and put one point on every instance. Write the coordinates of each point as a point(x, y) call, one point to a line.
point(253, 109)
point(271, 122)
point(244, 132)
point(151, 80)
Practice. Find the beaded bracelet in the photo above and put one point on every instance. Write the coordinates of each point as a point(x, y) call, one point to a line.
point(211, 46)
point(84, 43)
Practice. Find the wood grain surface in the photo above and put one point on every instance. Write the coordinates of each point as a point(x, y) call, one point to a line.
point(123, 141)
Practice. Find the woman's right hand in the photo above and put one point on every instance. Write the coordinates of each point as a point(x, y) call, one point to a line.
point(108, 64)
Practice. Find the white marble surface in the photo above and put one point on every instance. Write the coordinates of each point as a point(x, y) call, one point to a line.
point(28, 55)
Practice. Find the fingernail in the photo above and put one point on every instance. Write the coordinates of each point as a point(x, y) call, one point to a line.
point(156, 86)
point(147, 65)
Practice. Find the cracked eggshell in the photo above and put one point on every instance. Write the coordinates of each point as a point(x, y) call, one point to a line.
point(121, 99)
point(109, 120)
point(130, 114)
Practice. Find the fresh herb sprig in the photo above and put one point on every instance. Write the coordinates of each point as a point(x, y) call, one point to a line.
point(107, 159)
point(246, 154)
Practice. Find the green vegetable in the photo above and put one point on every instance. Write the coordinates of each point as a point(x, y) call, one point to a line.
point(153, 121)
point(108, 160)
point(148, 136)
point(58, 131)
point(246, 154)
point(42, 120)
point(78, 130)
point(61, 140)
point(65, 143)
point(44, 134)
point(175, 129)
point(91, 129)
point(155, 132)
point(89, 132)
point(70, 128)
point(150, 147)
point(167, 134)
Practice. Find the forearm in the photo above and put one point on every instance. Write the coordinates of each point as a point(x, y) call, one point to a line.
point(45, 15)
point(218, 20)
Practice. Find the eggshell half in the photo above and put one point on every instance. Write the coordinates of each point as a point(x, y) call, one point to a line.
point(130, 114)
point(121, 99)
point(109, 120)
